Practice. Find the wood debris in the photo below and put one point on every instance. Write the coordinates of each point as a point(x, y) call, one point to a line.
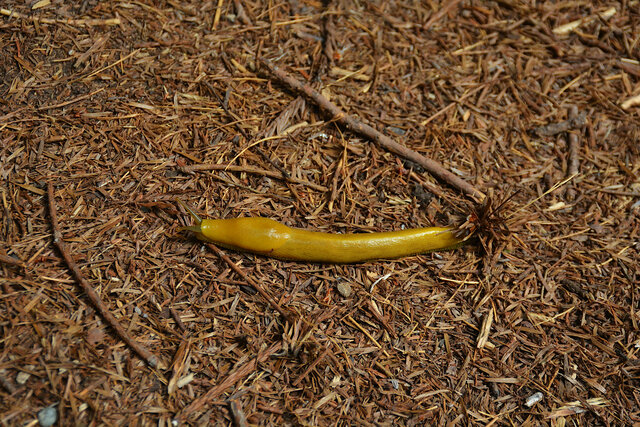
point(127, 107)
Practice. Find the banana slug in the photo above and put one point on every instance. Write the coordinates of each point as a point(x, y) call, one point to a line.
point(267, 237)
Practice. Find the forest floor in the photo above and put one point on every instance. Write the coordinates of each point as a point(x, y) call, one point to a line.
point(113, 112)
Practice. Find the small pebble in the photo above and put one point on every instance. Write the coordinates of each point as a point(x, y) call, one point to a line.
point(48, 416)
point(22, 377)
point(533, 399)
point(345, 289)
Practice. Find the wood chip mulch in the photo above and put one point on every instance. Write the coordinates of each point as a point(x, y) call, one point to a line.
point(336, 116)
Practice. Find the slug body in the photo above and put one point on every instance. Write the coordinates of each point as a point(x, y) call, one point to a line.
point(270, 238)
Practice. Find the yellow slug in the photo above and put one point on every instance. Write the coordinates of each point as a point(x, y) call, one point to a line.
point(267, 237)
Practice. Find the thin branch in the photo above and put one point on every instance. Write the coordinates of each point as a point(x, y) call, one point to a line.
point(239, 417)
point(311, 367)
point(244, 133)
point(252, 170)
point(77, 22)
point(253, 284)
point(440, 13)
point(574, 151)
point(242, 15)
point(575, 121)
point(142, 351)
point(7, 384)
point(431, 166)
point(574, 145)
point(177, 319)
point(230, 380)
point(12, 261)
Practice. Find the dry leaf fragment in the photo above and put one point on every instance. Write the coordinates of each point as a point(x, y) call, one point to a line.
point(95, 336)
point(485, 329)
point(41, 4)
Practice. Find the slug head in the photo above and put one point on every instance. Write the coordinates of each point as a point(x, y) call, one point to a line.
point(197, 229)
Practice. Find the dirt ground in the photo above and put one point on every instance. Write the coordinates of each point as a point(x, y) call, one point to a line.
point(518, 117)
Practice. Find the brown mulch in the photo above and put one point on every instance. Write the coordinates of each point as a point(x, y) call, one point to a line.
point(114, 316)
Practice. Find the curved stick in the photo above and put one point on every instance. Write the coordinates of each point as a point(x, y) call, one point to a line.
point(430, 165)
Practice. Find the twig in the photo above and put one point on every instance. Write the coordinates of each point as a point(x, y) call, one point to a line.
point(239, 418)
point(71, 101)
point(9, 260)
point(373, 309)
point(285, 175)
point(230, 380)
point(352, 123)
point(573, 122)
point(216, 16)
point(328, 43)
point(439, 14)
point(573, 25)
point(253, 284)
point(550, 190)
point(574, 152)
point(368, 335)
point(251, 170)
point(142, 351)
point(334, 184)
point(311, 367)
point(7, 384)
point(242, 15)
point(618, 192)
point(78, 22)
point(177, 319)
point(237, 121)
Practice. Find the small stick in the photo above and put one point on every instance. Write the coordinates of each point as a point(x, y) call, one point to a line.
point(253, 284)
point(285, 175)
point(237, 120)
point(216, 17)
point(574, 152)
point(78, 22)
point(574, 147)
point(177, 319)
point(142, 351)
point(441, 13)
point(329, 43)
point(251, 170)
point(618, 192)
point(9, 260)
point(7, 384)
point(239, 418)
point(432, 166)
point(334, 184)
point(575, 121)
point(242, 15)
point(374, 310)
point(311, 367)
point(230, 380)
